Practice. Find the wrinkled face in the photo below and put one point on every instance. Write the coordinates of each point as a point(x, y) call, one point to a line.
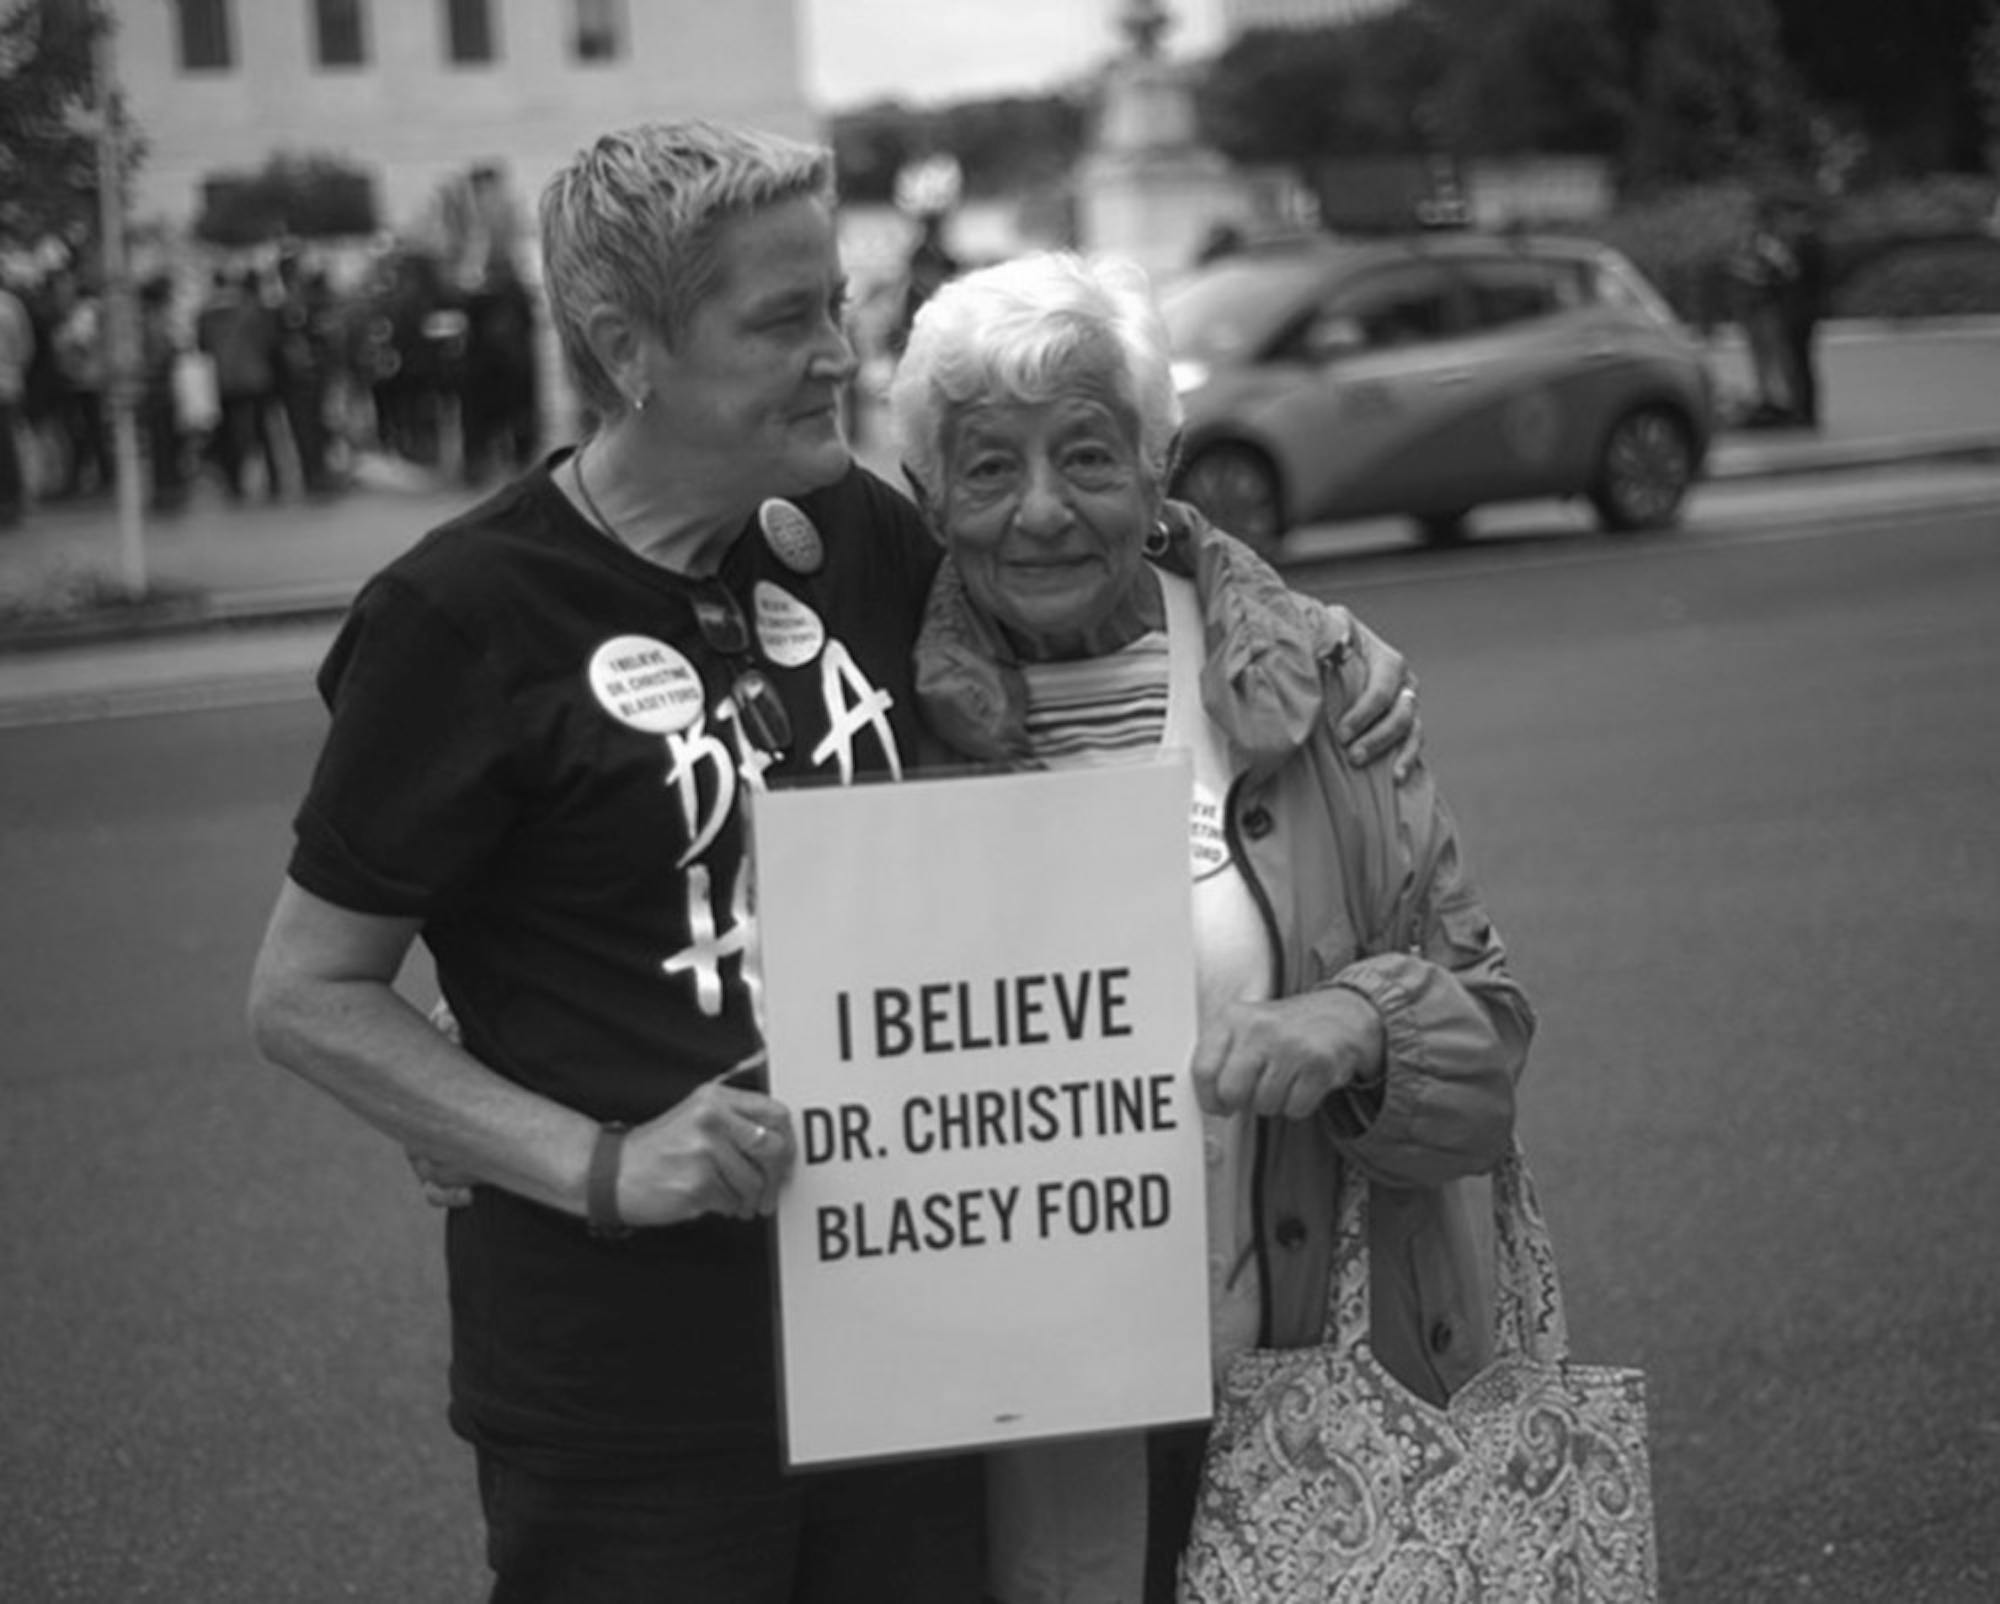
point(1046, 509)
point(750, 393)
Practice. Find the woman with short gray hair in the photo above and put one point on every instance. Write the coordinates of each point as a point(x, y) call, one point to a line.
point(544, 717)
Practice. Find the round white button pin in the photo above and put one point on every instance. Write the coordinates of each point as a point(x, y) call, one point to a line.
point(646, 684)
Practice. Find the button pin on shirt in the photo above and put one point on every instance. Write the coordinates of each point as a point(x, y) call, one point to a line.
point(792, 536)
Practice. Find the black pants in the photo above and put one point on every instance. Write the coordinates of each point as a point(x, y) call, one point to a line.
point(738, 1533)
point(305, 417)
point(160, 418)
point(1173, 1480)
point(1802, 369)
point(89, 443)
point(13, 481)
point(243, 429)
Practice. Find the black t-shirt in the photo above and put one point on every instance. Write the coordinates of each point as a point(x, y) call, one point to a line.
point(532, 750)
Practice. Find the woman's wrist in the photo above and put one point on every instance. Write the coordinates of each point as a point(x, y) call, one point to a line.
point(600, 1187)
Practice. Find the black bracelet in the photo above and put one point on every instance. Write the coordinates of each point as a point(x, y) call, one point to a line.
point(600, 1189)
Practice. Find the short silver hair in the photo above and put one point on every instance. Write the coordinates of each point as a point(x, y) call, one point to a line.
point(1023, 331)
point(632, 224)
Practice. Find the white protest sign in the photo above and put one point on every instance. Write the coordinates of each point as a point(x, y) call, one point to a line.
point(979, 1005)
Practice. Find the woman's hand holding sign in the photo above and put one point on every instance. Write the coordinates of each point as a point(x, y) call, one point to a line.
point(726, 1149)
point(1284, 1056)
point(722, 1150)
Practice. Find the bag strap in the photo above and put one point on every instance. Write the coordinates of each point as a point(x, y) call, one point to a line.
point(1528, 1315)
point(1528, 1312)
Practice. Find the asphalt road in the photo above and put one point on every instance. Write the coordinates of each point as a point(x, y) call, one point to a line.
point(1731, 794)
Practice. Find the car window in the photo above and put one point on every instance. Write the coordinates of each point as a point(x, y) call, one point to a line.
point(1230, 311)
point(1619, 283)
point(1394, 307)
point(1519, 289)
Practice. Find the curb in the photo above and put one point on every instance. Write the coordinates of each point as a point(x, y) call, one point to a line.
point(1735, 461)
point(176, 616)
point(1857, 330)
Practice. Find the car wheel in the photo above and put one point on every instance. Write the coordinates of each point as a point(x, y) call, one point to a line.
point(1444, 528)
point(1644, 471)
point(1237, 488)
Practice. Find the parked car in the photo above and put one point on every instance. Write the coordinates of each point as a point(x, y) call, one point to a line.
point(1334, 379)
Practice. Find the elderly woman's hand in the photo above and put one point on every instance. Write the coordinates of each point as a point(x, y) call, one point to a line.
point(1286, 1055)
point(1383, 718)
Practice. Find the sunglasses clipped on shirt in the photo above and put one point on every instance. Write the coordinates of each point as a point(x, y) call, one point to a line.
point(759, 708)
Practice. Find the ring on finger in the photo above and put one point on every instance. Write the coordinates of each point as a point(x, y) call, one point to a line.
point(757, 1135)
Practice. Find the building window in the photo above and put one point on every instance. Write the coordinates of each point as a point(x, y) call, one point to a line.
point(469, 31)
point(599, 34)
point(338, 25)
point(204, 36)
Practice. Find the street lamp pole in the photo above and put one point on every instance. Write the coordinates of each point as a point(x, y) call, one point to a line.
point(121, 317)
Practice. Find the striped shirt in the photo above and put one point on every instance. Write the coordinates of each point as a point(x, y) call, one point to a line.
point(1099, 707)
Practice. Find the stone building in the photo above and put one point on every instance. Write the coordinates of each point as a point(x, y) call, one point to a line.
point(417, 91)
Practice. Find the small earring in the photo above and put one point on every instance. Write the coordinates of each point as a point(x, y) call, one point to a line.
point(1157, 540)
point(639, 401)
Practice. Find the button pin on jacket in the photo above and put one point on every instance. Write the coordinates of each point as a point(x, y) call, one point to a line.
point(791, 536)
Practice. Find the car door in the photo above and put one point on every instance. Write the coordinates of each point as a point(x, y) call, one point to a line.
point(1376, 364)
point(1540, 372)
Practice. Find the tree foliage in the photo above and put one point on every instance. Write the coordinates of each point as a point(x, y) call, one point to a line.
point(1718, 97)
point(1465, 77)
point(1299, 96)
point(1986, 78)
point(48, 154)
point(1902, 75)
point(1006, 145)
point(870, 146)
point(1691, 90)
point(1536, 75)
point(309, 196)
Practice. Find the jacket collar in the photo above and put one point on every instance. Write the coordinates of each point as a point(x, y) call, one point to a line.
point(1261, 677)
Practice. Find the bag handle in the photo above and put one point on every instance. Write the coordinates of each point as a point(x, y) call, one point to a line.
point(1528, 1313)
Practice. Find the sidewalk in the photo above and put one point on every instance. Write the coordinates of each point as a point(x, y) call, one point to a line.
point(1894, 397)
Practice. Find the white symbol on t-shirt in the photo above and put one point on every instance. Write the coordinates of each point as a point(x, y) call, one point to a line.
point(703, 956)
point(687, 754)
point(724, 750)
point(845, 720)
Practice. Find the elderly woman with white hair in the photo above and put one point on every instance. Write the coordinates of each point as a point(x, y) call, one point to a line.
point(1355, 1004)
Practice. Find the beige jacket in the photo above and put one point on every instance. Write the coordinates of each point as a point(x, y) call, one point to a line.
point(1362, 885)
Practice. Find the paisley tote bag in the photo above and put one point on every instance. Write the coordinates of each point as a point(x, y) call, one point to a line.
point(1329, 1482)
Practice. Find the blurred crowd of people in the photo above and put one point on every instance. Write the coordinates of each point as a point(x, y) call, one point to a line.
point(268, 380)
